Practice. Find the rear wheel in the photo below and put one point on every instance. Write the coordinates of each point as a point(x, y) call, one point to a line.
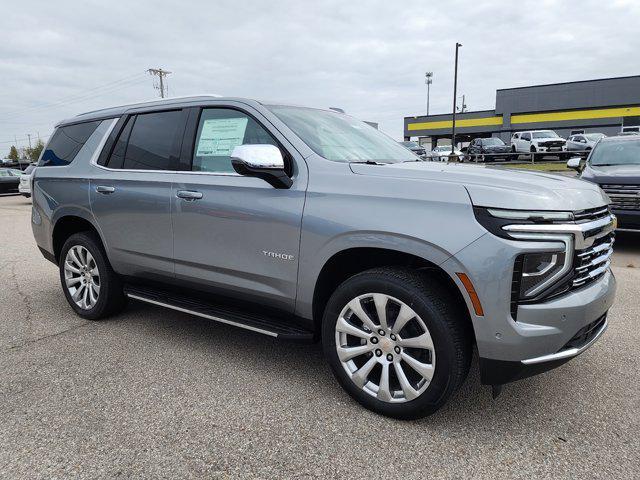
point(90, 285)
point(396, 342)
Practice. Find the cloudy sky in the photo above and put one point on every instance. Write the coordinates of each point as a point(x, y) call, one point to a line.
point(61, 58)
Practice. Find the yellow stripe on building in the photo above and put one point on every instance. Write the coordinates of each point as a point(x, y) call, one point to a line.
point(463, 122)
point(575, 115)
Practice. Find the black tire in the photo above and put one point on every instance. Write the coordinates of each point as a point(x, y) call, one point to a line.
point(441, 313)
point(111, 298)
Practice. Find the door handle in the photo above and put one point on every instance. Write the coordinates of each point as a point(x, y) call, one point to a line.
point(189, 195)
point(105, 189)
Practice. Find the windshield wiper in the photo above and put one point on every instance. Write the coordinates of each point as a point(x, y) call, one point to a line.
point(369, 162)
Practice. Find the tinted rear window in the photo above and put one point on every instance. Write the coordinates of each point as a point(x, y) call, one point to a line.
point(152, 143)
point(65, 144)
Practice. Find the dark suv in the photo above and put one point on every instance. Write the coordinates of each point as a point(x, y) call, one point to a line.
point(487, 149)
point(614, 164)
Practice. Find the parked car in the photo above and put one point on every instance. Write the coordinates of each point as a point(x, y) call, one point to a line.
point(25, 181)
point(443, 152)
point(487, 149)
point(9, 179)
point(415, 148)
point(630, 130)
point(583, 142)
point(306, 224)
point(538, 141)
point(614, 164)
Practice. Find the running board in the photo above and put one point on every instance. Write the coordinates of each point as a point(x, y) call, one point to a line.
point(274, 327)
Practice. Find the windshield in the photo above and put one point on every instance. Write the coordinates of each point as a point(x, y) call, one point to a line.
point(594, 137)
point(410, 144)
point(616, 153)
point(492, 141)
point(341, 138)
point(545, 134)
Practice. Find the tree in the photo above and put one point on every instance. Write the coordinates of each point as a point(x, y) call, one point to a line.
point(13, 153)
point(34, 153)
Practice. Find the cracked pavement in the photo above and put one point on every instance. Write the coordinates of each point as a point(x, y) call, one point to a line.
point(154, 393)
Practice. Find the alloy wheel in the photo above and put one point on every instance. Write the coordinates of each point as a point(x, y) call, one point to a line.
point(81, 276)
point(385, 347)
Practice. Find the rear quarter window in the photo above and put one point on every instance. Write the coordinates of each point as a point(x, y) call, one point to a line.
point(65, 144)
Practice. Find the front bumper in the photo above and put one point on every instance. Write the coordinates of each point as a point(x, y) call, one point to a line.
point(542, 337)
point(499, 372)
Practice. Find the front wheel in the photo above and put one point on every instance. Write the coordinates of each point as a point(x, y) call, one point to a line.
point(396, 341)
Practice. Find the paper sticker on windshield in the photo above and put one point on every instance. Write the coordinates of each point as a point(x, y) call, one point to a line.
point(219, 136)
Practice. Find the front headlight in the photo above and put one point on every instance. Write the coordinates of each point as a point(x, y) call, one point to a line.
point(536, 274)
point(538, 271)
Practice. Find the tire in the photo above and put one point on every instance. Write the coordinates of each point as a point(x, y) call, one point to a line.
point(449, 343)
point(110, 297)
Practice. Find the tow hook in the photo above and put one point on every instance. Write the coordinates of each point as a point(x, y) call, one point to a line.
point(496, 390)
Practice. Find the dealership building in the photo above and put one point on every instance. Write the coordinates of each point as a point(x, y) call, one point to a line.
point(605, 105)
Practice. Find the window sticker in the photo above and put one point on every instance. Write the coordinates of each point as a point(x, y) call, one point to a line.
point(219, 136)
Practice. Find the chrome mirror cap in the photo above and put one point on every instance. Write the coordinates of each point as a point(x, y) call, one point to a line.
point(259, 156)
point(261, 161)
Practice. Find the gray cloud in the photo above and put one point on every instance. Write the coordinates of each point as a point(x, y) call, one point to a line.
point(366, 57)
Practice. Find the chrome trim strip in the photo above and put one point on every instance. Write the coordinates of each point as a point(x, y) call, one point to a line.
point(568, 353)
point(579, 230)
point(203, 315)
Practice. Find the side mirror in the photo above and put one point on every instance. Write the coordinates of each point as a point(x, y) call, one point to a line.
point(261, 161)
point(575, 163)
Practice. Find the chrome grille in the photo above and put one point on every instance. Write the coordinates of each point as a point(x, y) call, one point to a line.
point(591, 214)
point(623, 197)
point(592, 262)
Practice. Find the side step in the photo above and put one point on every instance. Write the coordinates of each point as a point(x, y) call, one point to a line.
point(229, 315)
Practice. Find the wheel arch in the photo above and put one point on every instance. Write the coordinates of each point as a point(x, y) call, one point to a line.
point(348, 262)
point(67, 225)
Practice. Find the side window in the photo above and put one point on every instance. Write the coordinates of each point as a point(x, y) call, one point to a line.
point(65, 144)
point(154, 141)
point(116, 159)
point(220, 130)
point(516, 136)
point(526, 136)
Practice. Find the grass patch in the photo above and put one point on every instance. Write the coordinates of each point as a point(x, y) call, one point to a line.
point(542, 166)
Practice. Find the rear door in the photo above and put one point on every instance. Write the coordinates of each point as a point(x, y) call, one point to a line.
point(131, 193)
point(233, 234)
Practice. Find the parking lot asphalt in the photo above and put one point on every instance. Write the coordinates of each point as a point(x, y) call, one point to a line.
point(155, 393)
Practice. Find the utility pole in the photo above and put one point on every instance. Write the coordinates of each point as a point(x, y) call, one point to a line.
point(161, 74)
point(428, 80)
point(455, 93)
point(29, 137)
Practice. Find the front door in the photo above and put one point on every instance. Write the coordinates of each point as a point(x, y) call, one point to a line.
point(237, 235)
point(130, 194)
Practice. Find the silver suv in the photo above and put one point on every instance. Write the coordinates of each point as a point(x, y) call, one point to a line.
point(307, 224)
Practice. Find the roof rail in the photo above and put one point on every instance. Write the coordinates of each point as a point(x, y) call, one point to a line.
point(155, 100)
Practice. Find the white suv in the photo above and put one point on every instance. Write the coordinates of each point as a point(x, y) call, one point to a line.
point(538, 141)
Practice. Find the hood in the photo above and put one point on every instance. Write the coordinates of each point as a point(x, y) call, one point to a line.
point(625, 174)
point(547, 139)
point(497, 148)
point(499, 187)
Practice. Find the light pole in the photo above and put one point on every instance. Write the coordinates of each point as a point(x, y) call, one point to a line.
point(455, 93)
point(428, 79)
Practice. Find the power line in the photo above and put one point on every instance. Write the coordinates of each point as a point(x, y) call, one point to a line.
point(161, 74)
point(81, 96)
